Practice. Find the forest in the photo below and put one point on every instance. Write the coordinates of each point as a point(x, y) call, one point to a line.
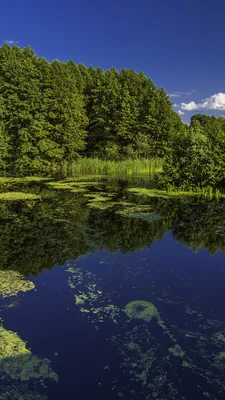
point(52, 113)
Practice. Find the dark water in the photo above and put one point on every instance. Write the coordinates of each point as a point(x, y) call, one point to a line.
point(88, 261)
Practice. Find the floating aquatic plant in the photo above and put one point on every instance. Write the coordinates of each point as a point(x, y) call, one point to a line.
point(70, 184)
point(12, 282)
point(20, 392)
point(142, 310)
point(176, 351)
point(17, 361)
point(92, 301)
point(14, 196)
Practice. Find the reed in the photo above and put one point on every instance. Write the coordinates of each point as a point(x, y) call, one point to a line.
point(128, 167)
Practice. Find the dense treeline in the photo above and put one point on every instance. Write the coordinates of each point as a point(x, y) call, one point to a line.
point(55, 112)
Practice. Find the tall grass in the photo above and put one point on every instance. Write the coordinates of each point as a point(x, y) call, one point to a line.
point(129, 167)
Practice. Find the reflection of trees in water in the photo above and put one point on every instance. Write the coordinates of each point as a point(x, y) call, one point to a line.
point(38, 235)
point(34, 236)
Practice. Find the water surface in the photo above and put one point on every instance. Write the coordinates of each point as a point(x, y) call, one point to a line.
point(99, 258)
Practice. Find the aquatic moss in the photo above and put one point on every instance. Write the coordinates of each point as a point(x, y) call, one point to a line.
point(177, 351)
point(141, 309)
point(12, 282)
point(17, 361)
point(14, 196)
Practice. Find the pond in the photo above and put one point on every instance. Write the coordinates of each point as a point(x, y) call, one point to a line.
point(109, 294)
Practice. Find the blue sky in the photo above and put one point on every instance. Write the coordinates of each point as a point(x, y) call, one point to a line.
point(180, 45)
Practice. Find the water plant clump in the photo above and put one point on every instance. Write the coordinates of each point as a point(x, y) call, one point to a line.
point(20, 392)
point(12, 282)
point(142, 310)
point(72, 185)
point(14, 196)
point(177, 351)
point(17, 361)
point(88, 295)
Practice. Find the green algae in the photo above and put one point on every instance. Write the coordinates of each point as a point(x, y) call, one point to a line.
point(17, 361)
point(177, 351)
point(12, 282)
point(220, 336)
point(186, 364)
point(100, 200)
point(68, 185)
point(14, 196)
point(20, 392)
point(92, 302)
point(142, 310)
point(77, 190)
point(221, 355)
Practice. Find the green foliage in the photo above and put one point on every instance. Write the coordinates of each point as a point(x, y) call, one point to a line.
point(196, 158)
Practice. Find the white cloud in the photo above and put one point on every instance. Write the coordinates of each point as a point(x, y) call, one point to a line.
point(178, 94)
point(215, 102)
point(189, 106)
point(180, 112)
point(176, 105)
point(11, 42)
point(174, 95)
